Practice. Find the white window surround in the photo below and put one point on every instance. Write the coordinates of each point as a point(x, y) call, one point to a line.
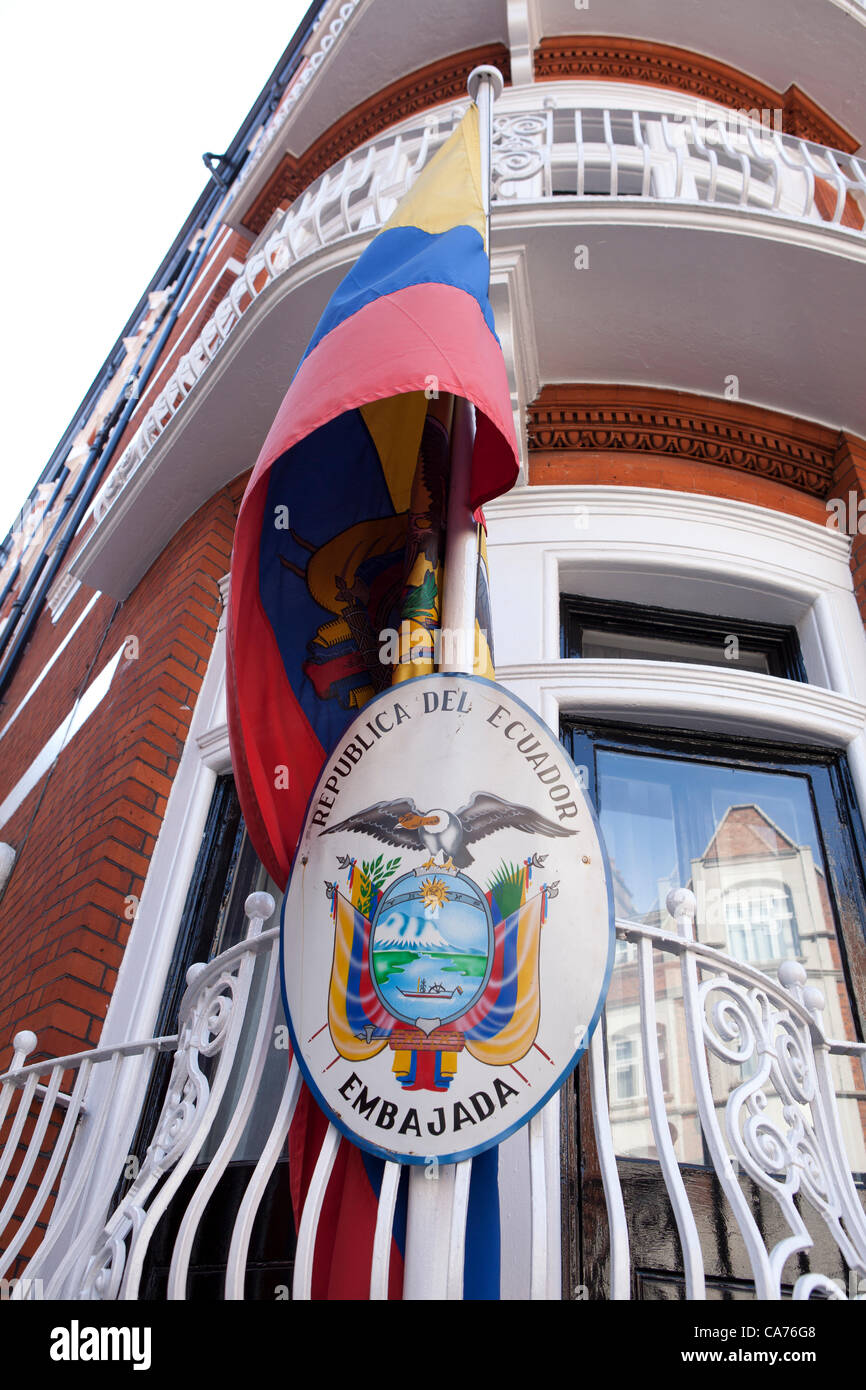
point(58, 651)
point(147, 959)
point(682, 550)
point(82, 708)
point(685, 551)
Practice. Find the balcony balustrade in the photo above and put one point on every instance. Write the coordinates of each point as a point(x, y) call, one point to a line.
point(778, 1126)
point(550, 153)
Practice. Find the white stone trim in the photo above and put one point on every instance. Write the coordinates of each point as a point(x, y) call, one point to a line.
point(511, 301)
point(330, 23)
point(678, 550)
point(562, 501)
point(62, 595)
point(687, 696)
point(146, 961)
point(675, 550)
point(148, 953)
point(48, 665)
point(50, 751)
point(687, 551)
point(524, 36)
point(214, 749)
point(833, 240)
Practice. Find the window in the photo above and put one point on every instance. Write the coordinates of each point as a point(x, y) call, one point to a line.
point(760, 921)
point(227, 870)
point(631, 631)
point(624, 1064)
point(770, 841)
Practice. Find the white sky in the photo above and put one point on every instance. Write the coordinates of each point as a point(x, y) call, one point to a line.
point(106, 108)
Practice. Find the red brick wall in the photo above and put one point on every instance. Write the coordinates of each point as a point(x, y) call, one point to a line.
point(679, 475)
point(63, 920)
point(44, 711)
point(679, 435)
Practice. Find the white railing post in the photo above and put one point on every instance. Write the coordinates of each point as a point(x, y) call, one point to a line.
point(620, 1259)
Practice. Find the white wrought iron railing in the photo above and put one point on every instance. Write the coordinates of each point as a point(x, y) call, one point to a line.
point(554, 150)
point(778, 1126)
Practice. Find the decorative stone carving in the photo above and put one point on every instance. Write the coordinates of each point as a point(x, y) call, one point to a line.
point(661, 65)
point(642, 420)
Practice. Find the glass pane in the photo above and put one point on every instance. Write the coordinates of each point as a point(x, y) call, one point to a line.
point(245, 875)
point(641, 647)
point(747, 844)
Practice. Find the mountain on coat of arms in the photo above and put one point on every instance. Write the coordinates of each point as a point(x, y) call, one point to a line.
point(410, 933)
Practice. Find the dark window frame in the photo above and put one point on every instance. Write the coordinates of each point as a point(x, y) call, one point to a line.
point(223, 855)
point(585, 1250)
point(779, 643)
point(213, 919)
point(838, 818)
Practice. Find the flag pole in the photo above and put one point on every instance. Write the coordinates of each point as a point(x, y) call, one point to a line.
point(461, 543)
point(429, 1258)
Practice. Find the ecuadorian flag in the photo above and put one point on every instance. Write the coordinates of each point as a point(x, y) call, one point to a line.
point(344, 512)
point(339, 540)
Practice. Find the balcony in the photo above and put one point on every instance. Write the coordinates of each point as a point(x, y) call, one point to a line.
point(634, 240)
point(357, 51)
point(761, 1081)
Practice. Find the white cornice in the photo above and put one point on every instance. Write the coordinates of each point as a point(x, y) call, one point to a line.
point(104, 543)
point(107, 550)
point(701, 697)
point(213, 746)
point(686, 507)
point(568, 211)
point(268, 150)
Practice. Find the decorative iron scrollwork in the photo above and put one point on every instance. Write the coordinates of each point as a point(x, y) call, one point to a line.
point(520, 145)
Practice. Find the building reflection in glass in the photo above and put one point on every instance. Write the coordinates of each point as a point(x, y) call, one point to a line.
point(747, 845)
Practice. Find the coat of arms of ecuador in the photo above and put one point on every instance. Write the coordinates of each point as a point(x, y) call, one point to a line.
point(448, 931)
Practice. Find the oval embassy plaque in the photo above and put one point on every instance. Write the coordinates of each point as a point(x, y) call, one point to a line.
point(447, 932)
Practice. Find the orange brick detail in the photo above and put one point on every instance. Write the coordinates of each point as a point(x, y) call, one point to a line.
point(634, 436)
point(620, 59)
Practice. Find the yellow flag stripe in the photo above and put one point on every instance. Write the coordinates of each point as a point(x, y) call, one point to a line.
point(395, 426)
point(447, 192)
